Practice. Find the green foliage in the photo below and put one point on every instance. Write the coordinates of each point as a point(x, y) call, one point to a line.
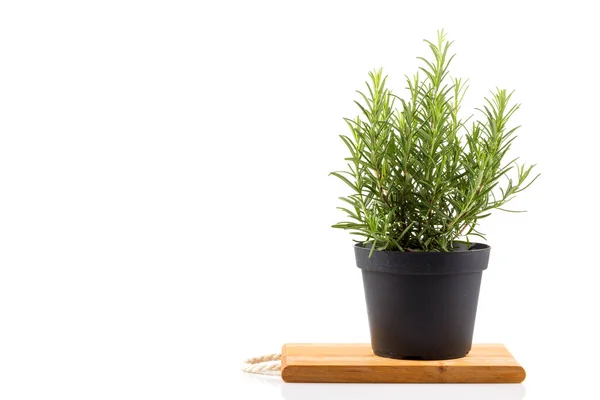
point(422, 177)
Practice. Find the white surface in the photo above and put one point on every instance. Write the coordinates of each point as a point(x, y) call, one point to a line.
point(165, 205)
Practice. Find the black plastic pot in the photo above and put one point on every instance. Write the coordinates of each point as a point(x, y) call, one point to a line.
point(422, 305)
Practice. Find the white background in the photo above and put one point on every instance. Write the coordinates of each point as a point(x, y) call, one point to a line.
point(165, 205)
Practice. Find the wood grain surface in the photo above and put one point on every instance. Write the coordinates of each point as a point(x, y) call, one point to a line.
point(356, 363)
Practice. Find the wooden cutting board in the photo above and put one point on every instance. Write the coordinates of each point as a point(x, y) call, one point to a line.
point(356, 363)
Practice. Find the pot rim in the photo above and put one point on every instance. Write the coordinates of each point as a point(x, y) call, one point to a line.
point(479, 247)
point(423, 263)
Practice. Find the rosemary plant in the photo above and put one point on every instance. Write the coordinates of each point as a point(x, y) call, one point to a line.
point(421, 176)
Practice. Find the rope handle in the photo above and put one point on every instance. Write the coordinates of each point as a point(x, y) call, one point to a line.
point(269, 364)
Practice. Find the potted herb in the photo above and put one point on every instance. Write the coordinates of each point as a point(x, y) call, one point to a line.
point(422, 178)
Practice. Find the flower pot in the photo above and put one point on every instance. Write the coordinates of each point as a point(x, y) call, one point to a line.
point(422, 305)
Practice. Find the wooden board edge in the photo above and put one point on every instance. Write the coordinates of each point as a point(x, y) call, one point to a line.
point(521, 368)
point(523, 374)
point(341, 374)
point(284, 366)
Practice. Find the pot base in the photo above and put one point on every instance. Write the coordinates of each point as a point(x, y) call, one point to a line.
point(401, 357)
